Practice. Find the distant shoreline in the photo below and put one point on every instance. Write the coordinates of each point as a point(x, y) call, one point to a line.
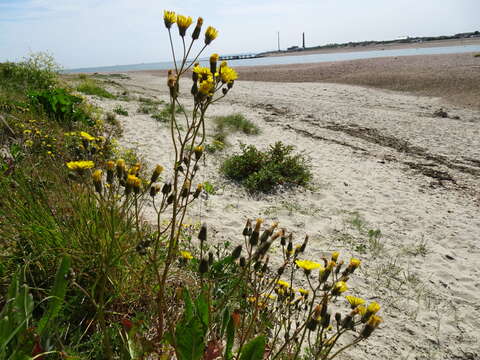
point(376, 47)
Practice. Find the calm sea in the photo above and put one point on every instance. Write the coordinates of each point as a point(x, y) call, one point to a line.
point(297, 59)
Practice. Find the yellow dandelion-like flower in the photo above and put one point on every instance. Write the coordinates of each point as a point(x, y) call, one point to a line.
point(339, 287)
point(133, 181)
point(354, 301)
point(207, 86)
point(27, 132)
point(307, 264)
point(283, 283)
point(373, 307)
point(354, 263)
point(303, 292)
point(87, 136)
point(110, 165)
point(202, 72)
point(97, 176)
point(80, 165)
point(228, 75)
point(29, 143)
point(169, 18)
point(370, 326)
point(335, 256)
point(210, 35)
point(269, 296)
point(183, 23)
point(186, 255)
point(360, 309)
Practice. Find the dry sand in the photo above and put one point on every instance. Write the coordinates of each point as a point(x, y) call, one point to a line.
point(380, 161)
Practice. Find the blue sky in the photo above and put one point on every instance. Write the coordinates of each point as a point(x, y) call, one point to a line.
point(82, 33)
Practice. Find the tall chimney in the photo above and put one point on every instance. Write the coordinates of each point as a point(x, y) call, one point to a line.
point(303, 40)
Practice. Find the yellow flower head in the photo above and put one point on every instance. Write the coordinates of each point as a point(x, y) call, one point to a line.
point(27, 132)
point(87, 136)
point(183, 23)
point(169, 18)
point(303, 292)
point(202, 72)
point(373, 307)
point(186, 255)
point(29, 143)
point(97, 176)
point(134, 181)
point(214, 57)
point(210, 35)
point(80, 165)
point(110, 165)
point(228, 75)
point(307, 264)
point(283, 283)
point(360, 309)
point(335, 256)
point(354, 301)
point(374, 321)
point(339, 287)
point(354, 263)
point(207, 86)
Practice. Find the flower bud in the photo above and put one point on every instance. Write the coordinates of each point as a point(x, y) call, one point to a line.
point(167, 187)
point(247, 230)
point(202, 235)
point(210, 258)
point(121, 168)
point(203, 267)
point(198, 29)
point(213, 63)
point(370, 326)
point(236, 252)
point(198, 150)
point(156, 173)
point(242, 262)
point(154, 190)
point(170, 198)
point(110, 169)
point(312, 324)
point(97, 180)
point(198, 191)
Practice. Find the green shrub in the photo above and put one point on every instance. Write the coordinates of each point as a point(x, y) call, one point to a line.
point(235, 122)
point(120, 110)
point(90, 87)
point(61, 106)
point(264, 170)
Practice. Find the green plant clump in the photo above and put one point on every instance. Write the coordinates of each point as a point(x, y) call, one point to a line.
point(263, 171)
point(120, 111)
point(165, 114)
point(236, 122)
point(91, 87)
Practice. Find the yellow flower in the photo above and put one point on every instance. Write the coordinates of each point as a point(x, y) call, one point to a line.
point(303, 291)
point(269, 296)
point(335, 256)
point(27, 132)
point(202, 72)
point(169, 18)
point(354, 301)
point(29, 143)
point(156, 173)
point(373, 307)
point(283, 283)
point(228, 75)
point(186, 255)
point(210, 35)
point(360, 309)
point(110, 165)
point(307, 264)
point(339, 287)
point(354, 263)
point(207, 86)
point(80, 165)
point(134, 181)
point(87, 136)
point(183, 23)
point(214, 57)
point(97, 176)
point(370, 326)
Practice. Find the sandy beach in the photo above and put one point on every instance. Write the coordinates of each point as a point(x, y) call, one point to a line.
point(382, 160)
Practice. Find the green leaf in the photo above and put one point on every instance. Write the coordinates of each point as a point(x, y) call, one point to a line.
point(57, 295)
point(191, 330)
point(230, 339)
point(254, 350)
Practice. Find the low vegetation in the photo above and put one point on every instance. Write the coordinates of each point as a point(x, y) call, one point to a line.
point(92, 87)
point(120, 110)
point(235, 122)
point(165, 114)
point(263, 171)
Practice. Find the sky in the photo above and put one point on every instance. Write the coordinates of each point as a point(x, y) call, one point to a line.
point(85, 33)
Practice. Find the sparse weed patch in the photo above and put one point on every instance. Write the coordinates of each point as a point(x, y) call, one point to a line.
point(263, 171)
point(235, 122)
point(165, 114)
point(92, 87)
point(120, 110)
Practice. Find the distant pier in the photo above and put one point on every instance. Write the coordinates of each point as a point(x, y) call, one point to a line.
point(239, 57)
